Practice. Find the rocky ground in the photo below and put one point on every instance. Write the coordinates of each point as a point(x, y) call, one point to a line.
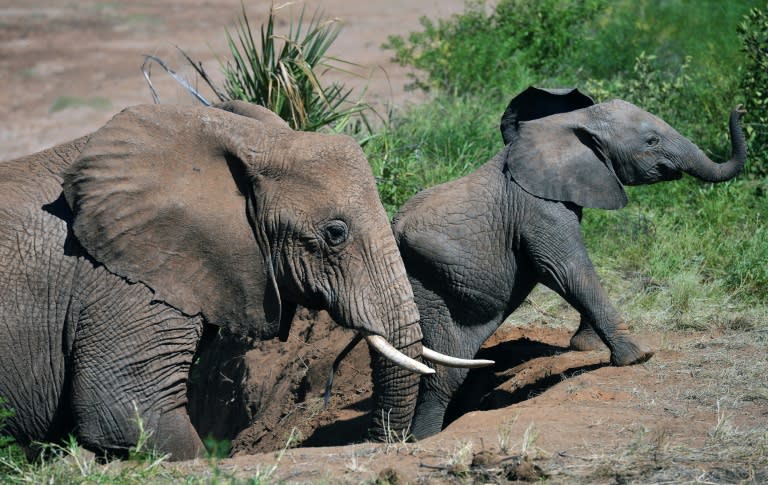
point(696, 412)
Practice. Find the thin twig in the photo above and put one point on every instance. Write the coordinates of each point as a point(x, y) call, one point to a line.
point(146, 69)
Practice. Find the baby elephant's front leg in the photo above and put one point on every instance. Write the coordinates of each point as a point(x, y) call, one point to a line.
point(563, 265)
point(601, 324)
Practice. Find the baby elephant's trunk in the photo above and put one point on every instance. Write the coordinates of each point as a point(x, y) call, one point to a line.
point(705, 169)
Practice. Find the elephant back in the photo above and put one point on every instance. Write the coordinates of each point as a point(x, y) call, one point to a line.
point(29, 182)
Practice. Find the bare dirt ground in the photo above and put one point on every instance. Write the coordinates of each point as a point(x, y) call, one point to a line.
point(696, 412)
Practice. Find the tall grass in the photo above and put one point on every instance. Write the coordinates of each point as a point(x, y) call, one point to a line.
point(432, 143)
point(715, 232)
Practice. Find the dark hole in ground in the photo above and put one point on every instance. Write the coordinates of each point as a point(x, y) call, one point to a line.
point(480, 390)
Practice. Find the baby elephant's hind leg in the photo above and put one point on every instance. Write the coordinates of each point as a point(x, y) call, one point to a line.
point(586, 338)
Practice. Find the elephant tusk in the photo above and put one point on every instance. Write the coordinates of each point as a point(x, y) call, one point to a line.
point(387, 350)
point(449, 361)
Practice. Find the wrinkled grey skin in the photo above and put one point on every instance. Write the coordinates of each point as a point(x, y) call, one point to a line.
point(172, 218)
point(475, 247)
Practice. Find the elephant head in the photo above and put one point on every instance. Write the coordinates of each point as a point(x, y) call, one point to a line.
point(241, 219)
point(561, 146)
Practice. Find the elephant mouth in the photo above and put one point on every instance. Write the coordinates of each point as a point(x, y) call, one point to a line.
point(667, 171)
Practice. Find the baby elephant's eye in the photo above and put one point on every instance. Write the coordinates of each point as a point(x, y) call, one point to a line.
point(652, 140)
point(335, 232)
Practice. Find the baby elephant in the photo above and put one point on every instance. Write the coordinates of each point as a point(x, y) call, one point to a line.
point(475, 247)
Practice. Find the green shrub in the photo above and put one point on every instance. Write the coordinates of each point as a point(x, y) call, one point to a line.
point(431, 144)
point(669, 30)
point(518, 43)
point(547, 32)
point(280, 73)
point(753, 32)
point(454, 54)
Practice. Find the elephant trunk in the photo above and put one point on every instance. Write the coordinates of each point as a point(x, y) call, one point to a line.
point(394, 388)
point(705, 169)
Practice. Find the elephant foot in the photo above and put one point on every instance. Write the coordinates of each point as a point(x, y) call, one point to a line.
point(586, 339)
point(630, 351)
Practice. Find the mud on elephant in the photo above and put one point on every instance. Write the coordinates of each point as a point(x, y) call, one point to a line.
point(475, 247)
point(170, 219)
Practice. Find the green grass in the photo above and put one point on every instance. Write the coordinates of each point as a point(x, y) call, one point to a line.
point(431, 144)
point(68, 463)
point(716, 232)
point(65, 102)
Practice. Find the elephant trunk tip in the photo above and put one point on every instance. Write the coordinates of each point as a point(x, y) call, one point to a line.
point(705, 169)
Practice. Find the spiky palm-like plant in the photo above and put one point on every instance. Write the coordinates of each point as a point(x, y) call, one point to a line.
point(280, 72)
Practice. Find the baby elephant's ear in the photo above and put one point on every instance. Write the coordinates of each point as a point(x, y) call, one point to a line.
point(563, 161)
point(535, 103)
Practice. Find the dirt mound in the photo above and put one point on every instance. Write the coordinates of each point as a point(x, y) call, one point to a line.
point(262, 396)
point(694, 412)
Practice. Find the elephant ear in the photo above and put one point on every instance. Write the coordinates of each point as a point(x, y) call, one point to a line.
point(535, 103)
point(555, 159)
point(159, 197)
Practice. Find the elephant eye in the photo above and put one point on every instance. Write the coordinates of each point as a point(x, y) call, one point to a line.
point(335, 233)
point(652, 141)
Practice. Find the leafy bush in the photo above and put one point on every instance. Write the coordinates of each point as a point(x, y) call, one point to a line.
point(431, 144)
point(754, 83)
point(280, 73)
point(518, 43)
point(669, 30)
point(547, 32)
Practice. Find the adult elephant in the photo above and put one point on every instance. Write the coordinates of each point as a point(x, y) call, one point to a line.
point(475, 247)
point(172, 218)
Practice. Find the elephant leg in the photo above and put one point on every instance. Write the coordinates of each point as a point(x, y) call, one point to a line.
point(556, 249)
point(576, 281)
point(586, 338)
point(130, 368)
point(115, 430)
point(443, 331)
point(430, 409)
point(174, 434)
